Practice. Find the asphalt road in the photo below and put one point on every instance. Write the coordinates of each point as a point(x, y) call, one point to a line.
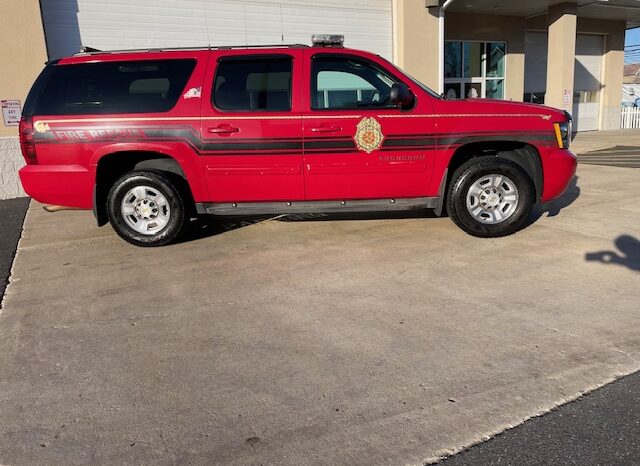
point(618, 156)
point(12, 213)
point(600, 428)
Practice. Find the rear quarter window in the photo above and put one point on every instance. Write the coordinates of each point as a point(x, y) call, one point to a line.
point(115, 87)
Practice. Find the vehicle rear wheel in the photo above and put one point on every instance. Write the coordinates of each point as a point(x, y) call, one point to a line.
point(146, 209)
point(490, 197)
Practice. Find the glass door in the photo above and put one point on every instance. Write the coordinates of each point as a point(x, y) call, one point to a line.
point(474, 69)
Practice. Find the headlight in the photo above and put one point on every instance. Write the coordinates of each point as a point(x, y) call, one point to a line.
point(563, 134)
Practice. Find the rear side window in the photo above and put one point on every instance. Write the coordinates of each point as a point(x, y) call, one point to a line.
point(253, 84)
point(115, 87)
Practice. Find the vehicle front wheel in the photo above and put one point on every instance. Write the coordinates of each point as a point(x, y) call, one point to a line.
point(146, 209)
point(490, 197)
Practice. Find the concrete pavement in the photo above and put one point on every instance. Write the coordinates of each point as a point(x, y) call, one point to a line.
point(380, 341)
point(588, 141)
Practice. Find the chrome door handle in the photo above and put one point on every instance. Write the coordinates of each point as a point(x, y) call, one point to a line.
point(326, 129)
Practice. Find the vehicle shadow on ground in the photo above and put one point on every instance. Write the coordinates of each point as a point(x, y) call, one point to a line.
point(553, 208)
point(208, 225)
point(627, 255)
point(356, 216)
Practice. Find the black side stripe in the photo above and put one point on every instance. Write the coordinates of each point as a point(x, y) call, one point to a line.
point(291, 146)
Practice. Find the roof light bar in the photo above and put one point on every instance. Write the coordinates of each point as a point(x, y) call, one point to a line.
point(327, 40)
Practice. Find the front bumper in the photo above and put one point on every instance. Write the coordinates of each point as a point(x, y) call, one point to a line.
point(559, 167)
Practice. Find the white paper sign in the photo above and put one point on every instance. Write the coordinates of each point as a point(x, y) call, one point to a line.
point(566, 97)
point(11, 112)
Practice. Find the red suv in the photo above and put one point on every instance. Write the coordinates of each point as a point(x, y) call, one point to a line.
point(148, 139)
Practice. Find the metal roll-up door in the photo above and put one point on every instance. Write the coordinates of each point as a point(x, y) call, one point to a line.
point(113, 24)
point(535, 67)
point(587, 83)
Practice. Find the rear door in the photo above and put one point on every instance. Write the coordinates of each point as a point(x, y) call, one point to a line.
point(357, 145)
point(251, 135)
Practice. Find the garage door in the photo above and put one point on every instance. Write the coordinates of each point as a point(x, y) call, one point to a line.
point(114, 24)
point(535, 66)
point(586, 85)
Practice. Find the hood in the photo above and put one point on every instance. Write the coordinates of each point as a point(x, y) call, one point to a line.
point(503, 107)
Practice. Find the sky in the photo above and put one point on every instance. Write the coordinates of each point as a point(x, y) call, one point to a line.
point(632, 46)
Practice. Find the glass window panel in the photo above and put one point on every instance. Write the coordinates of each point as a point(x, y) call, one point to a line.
point(495, 60)
point(452, 90)
point(253, 84)
point(348, 83)
point(472, 90)
point(495, 88)
point(472, 59)
point(116, 87)
point(452, 59)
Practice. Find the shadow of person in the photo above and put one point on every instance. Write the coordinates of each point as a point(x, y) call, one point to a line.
point(628, 255)
point(553, 208)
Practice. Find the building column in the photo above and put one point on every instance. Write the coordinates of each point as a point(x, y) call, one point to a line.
point(613, 65)
point(561, 55)
point(416, 40)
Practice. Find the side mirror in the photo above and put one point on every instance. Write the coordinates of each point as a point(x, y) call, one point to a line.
point(401, 96)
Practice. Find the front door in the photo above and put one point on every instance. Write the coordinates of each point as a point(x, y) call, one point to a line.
point(251, 134)
point(357, 145)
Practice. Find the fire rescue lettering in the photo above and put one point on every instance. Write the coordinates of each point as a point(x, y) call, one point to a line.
point(78, 134)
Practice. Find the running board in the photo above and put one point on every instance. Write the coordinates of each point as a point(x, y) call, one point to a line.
point(305, 207)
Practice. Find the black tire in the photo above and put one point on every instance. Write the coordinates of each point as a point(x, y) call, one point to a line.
point(166, 187)
point(471, 172)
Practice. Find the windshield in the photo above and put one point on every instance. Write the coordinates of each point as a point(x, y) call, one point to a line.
point(428, 90)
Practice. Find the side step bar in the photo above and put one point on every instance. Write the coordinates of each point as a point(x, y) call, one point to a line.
point(305, 207)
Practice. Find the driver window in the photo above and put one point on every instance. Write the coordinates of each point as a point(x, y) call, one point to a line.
point(346, 83)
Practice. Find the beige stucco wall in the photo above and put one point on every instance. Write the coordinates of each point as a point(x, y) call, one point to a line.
point(22, 54)
point(416, 40)
point(561, 21)
point(612, 79)
point(23, 51)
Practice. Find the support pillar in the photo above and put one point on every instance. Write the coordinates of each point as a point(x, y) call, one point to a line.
point(561, 53)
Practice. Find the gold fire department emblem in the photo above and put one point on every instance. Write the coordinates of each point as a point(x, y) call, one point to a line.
point(369, 135)
point(41, 126)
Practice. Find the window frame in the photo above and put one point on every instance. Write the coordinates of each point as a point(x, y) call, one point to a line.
point(249, 58)
point(483, 79)
point(313, 81)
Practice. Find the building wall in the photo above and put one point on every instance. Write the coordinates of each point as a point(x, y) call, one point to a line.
point(613, 62)
point(22, 56)
point(416, 40)
point(462, 26)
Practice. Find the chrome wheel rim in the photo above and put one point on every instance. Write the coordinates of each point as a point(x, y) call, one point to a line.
point(145, 210)
point(492, 199)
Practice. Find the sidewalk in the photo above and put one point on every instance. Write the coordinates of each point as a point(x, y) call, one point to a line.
point(595, 140)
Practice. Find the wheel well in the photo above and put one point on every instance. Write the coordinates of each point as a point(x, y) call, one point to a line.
point(113, 166)
point(523, 154)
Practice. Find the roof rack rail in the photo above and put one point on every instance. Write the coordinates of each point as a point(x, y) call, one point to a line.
point(85, 49)
point(91, 51)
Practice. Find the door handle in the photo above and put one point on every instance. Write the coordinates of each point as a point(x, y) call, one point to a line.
point(223, 129)
point(326, 129)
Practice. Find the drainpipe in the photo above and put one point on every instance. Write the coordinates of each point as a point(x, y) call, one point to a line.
point(441, 11)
